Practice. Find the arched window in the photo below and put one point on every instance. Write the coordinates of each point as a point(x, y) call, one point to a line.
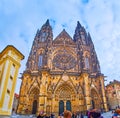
point(43, 36)
point(40, 60)
point(87, 65)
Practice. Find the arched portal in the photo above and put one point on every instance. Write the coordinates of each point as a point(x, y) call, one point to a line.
point(65, 95)
point(95, 99)
point(34, 107)
point(33, 99)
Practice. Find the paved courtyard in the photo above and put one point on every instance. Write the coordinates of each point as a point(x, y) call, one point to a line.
point(105, 115)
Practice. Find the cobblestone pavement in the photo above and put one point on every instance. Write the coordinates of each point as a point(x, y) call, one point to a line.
point(105, 115)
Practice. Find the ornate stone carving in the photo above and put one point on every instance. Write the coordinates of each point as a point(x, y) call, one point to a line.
point(64, 61)
point(62, 74)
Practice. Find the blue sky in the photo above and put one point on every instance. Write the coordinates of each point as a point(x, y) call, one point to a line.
point(20, 19)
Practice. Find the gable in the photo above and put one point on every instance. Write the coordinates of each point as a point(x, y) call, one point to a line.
point(63, 38)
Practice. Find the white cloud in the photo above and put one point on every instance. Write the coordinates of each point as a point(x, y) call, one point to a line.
point(21, 19)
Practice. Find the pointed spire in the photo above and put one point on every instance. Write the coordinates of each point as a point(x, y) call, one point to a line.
point(78, 24)
point(37, 33)
point(45, 33)
point(90, 42)
point(46, 25)
point(47, 22)
point(64, 30)
point(89, 35)
point(80, 34)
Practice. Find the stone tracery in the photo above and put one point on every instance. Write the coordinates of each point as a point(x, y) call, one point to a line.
point(64, 61)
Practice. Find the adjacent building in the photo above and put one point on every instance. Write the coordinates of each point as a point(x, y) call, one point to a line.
point(15, 103)
point(62, 74)
point(113, 94)
point(10, 59)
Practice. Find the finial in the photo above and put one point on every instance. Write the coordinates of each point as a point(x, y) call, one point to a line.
point(78, 24)
point(37, 33)
point(63, 29)
point(90, 39)
point(89, 35)
point(47, 22)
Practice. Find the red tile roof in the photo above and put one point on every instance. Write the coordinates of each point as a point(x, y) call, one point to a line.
point(16, 95)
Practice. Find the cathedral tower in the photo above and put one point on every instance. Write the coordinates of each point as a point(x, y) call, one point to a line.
point(61, 74)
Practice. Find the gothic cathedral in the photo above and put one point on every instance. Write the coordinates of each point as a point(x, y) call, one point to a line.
point(62, 74)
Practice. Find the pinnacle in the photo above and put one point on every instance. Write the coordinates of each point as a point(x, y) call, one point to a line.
point(78, 24)
point(89, 39)
point(47, 22)
point(37, 33)
point(46, 25)
point(89, 35)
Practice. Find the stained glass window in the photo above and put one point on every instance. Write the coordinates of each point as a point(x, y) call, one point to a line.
point(40, 60)
point(43, 36)
point(87, 63)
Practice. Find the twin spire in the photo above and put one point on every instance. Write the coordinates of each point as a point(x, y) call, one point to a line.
point(80, 34)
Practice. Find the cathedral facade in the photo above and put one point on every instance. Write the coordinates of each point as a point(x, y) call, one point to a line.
point(62, 74)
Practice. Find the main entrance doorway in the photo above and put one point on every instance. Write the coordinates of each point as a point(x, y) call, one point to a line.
point(34, 108)
point(68, 105)
point(64, 94)
point(61, 106)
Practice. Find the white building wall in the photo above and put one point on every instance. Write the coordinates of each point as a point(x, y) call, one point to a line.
point(9, 86)
point(4, 77)
point(1, 66)
point(12, 71)
point(6, 102)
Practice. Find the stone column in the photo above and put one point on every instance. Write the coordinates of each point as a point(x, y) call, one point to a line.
point(45, 105)
point(41, 99)
point(43, 93)
point(53, 105)
point(103, 93)
point(65, 102)
point(87, 90)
